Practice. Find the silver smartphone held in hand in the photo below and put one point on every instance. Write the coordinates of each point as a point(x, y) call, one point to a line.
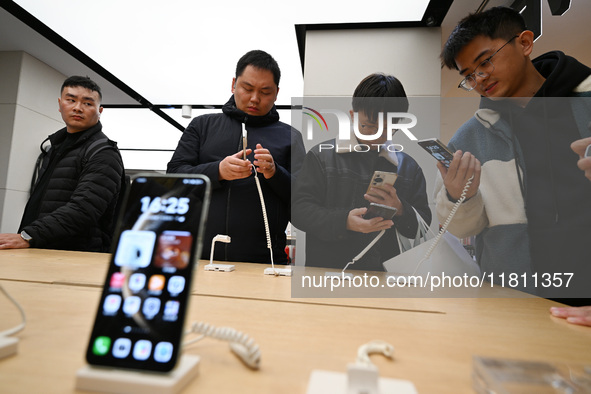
point(140, 318)
point(244, 142)
point(381, 178)
point(438, 150)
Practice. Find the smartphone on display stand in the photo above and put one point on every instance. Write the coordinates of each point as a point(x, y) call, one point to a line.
point(438, 150)
point(381, 178)
point(375, 210)
point(141, 314)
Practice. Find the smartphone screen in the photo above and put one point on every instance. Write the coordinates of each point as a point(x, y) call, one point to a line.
point(141, 314)
point(438, 150)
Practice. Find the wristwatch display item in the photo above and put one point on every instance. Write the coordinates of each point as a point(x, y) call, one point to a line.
point(26, 236)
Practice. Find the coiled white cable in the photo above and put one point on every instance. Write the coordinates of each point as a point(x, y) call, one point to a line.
point(241, 344)
point(265, 220)
point(447, 222)
point(14, 330)
point(372, 347)
point(262, 198)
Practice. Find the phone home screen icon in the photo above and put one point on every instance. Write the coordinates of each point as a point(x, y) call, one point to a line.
point(176, 285)
point(163, 352)
point(117, 280)
point(151, 307)
point(111, 304)
point(156, 283)
point(171, 310)
point(142, 349)
point(135, 248)
point(137, 282)
point(101, 346)
point(121, 347)
point(131, 305)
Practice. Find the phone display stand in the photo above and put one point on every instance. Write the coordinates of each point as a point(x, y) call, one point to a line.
point(220, 267)
point(330, 274)
point(8, 346)
point(278, 271)
point(336, 382)
point(119, 381)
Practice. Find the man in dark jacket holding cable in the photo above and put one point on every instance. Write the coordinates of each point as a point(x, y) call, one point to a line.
point(212, 145)
point(72, 203)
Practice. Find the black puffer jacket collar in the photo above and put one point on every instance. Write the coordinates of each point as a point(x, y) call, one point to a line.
point(232, 111)
point(60, 135)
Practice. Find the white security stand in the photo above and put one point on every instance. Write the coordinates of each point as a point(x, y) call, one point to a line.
point(8, 346)
point(330, 274)
point(219, 267)
point(322, 382)
point(278, 271)
point(362, 376)
point(119, 381)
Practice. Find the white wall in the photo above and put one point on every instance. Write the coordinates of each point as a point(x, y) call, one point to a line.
point(28, 114)
point(337, 60)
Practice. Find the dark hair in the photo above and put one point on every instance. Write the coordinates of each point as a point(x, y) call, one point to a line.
point(370, 93)
point(497, 22)
point(259, 59)
point(84, 82)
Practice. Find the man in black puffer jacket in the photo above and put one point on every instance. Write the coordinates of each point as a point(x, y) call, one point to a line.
point(72, 204)
point(212, 145)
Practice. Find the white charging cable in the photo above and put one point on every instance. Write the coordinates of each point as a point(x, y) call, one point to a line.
point(21, 326)
point(263, 207)
point(265, 220)
point(240, 344)
point(444, 227)
point(364, 251)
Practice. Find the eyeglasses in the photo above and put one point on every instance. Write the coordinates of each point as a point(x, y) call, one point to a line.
point(483, 70)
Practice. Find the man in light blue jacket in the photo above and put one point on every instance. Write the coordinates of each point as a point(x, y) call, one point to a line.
point(528, 204)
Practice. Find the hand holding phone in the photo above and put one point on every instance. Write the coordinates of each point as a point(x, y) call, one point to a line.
point(358, 223)
point(235, 167)
point(438, 150)
point(375, 210)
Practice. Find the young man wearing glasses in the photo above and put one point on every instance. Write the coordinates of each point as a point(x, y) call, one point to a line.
point(528, 203)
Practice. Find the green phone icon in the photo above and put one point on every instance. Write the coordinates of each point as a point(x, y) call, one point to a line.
point(101, 346)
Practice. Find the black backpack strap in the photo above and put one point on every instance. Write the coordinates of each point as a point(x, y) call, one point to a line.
point(96, 147)
point(39, 163)
point(93, 149)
